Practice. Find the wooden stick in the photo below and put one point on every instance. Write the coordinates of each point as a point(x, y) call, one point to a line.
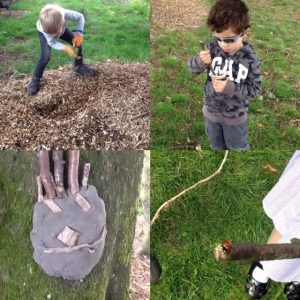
point(227, 251)
point(73, 171)
point(168, 203)
point(85, 177)
point(45, 175)
point(57, 156)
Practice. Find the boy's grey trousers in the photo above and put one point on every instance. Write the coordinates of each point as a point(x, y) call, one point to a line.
point(227, 137)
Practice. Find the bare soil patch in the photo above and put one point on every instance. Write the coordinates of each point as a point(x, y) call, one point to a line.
point(107, 111)
point(11, 13)
point(176, 14)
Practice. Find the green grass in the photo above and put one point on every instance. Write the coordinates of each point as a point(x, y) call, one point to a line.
point(20, 277)
point(227, 207)
point(271, 114)
point(112, 31)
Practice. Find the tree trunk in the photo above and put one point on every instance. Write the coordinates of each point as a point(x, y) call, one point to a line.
point(116, 176)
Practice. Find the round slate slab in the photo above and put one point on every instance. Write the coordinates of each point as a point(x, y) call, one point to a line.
point(48, 225)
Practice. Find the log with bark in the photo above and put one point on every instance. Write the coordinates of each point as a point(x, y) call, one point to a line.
point(227, 251)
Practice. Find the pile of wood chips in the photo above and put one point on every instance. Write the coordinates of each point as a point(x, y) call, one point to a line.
point(107, 111)
point(176, 14)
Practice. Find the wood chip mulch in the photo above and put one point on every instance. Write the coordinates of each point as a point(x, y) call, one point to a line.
point(176, 14)
point(107, 111)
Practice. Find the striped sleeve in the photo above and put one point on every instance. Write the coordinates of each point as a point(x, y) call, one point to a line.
point(196, 66)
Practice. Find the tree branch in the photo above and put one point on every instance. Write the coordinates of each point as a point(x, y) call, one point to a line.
point(226, 252)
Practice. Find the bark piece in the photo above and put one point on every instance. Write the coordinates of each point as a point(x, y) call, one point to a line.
point(52, 205)
point(227, 251)
point(69, 236)
point(82, 202)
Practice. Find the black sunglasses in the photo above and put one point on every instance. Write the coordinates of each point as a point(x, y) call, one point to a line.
point(228, 40)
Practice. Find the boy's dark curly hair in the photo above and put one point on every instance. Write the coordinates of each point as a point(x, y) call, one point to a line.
point(228, 13)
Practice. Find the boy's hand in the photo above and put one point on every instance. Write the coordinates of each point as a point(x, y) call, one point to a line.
point(205, 56)
point(77, 40)
point(69, 50)
point(219, 84)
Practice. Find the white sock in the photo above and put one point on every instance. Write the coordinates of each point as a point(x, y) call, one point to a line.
point(259, 275)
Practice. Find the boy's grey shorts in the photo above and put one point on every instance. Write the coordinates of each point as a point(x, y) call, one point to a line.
point(227, 137)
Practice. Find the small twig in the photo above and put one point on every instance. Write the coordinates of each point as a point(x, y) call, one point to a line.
point(139, 116)
point(168, 203)
point(136, 145)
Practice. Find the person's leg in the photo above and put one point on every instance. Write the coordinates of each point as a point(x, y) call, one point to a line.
point(257, 281)
point(214, 133)
point(79, 67)
point(34, 85)
point(274, 237)
point(236, 136)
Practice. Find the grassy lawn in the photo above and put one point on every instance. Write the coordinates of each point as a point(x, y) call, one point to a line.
point(227, 207)
point(177, 95)
point(112, 31)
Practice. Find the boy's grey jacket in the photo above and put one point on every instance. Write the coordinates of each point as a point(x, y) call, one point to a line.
point(244, 82)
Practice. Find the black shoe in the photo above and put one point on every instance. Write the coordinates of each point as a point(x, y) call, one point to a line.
point(34, 86)
point(84, 70)
point(292, 290)
point(254, 288)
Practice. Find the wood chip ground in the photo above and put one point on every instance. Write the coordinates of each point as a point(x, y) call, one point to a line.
point(107, 111)
point(177, 14)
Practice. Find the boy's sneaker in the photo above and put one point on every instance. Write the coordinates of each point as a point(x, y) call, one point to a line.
point(254, 288)
point(292, 290)
point(84, 70)
point(33, 87)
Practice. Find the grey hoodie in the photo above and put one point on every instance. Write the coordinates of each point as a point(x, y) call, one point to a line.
point(244, 83)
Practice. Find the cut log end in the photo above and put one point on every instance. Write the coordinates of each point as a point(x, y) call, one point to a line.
point(222, 251)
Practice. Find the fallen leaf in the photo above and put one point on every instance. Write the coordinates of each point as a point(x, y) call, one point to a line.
point(270, 168)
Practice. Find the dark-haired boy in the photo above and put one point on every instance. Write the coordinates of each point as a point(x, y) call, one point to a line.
point(233, 75)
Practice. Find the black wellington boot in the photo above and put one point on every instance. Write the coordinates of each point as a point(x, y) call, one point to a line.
point(254, 288)
point(84, 70)
point(292, 290)
point(34, 86)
